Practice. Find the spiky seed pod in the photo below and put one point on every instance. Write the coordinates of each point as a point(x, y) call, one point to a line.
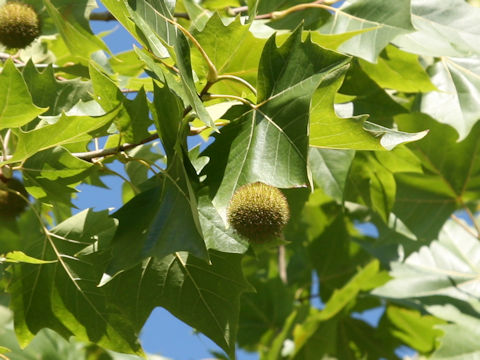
point(19, 25)
point(11, 204)
point(258, 211)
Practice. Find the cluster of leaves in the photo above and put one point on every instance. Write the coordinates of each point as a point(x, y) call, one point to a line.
point(332, 105)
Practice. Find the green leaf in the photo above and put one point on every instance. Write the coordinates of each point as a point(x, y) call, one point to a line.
point(444, 28)
point(58, 96)
point(207, 297)
point(133, 120)
point(456, 103)
point(447, 267)
point(386, 21)
point(157, 222)
point(20, 257)
point(398, 70)
point(64, 296)
point(419, 331)
point(333, 41)
point(71, 21)
point(51, 175)
point(198, 15)
point(119, 9)
point(261, 143)
point(152, 19)
point(216, 235)
point(329, 130)
point(16, 106)
point(233, 50)
point(67, 130)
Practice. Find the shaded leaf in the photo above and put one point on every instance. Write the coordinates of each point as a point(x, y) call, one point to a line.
point(204, 296)
point(365, 279)
point(64, 296)
point(449, 179)
point(330, 170)
point(132, 120)
point(51, 175)
point(156, 222)
point(58, 96)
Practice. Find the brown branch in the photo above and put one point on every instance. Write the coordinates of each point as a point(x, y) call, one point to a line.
point(102, 16)
point(242, 9)
point(107, 16)
point(89, 155)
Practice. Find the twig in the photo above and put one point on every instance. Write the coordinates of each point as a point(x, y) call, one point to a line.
point(473, 219)
point(107, 16)
point(282, 264)
point(464, 225)
point(89, 155)
point(102, 16)
point(241, 9)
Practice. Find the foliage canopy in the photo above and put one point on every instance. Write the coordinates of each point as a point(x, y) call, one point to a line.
point(363, 114)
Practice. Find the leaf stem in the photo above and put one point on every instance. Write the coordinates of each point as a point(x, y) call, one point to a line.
point(282, 264)
point(239, 80)
point(473, 219)
point(4, 142)
point(464, 225)
point(233, 97)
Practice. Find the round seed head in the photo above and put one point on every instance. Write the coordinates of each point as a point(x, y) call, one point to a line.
point(19, 25)
point(11, 204)
point(258, 211)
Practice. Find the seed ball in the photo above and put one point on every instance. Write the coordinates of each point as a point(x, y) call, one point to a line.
point(11, 204)
point(19, 25)
point(258, 211)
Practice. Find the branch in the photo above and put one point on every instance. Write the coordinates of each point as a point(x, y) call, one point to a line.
point(275, 14)
point(102, 16)
point(89, 155)
point(107, 16)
